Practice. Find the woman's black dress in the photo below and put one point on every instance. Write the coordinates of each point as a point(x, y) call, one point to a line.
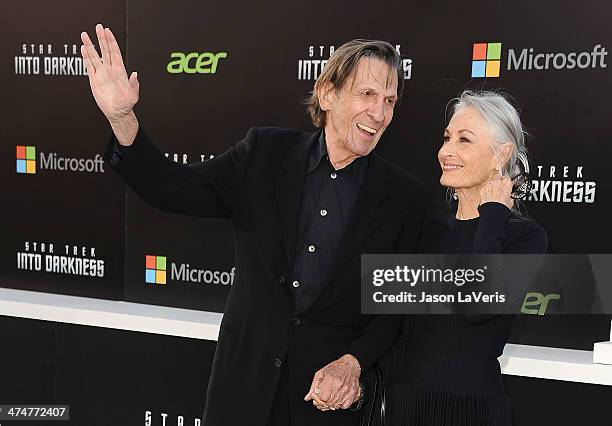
point(443, 370)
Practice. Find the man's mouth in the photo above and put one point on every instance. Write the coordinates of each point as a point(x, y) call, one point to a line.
point(366, 130)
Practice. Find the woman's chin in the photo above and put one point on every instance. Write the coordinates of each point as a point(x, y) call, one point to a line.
point(448, 183)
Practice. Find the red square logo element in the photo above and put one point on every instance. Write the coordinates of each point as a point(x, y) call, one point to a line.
point(480, 52)
point(21, 152)
point(150, 263)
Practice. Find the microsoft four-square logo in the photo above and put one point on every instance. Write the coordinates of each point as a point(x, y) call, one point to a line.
point(26, 159)
point(486, 60)
point(155, 272)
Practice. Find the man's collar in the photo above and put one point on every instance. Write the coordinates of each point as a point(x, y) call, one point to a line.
point(319, 152)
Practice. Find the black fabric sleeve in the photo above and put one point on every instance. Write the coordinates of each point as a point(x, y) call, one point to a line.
point(206, 189)
point(505, 274)
point(118, 153)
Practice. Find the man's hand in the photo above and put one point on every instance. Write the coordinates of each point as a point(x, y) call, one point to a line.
point(114, 93)
point(336, 385)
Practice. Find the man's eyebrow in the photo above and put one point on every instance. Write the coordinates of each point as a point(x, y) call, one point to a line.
point(371, 89)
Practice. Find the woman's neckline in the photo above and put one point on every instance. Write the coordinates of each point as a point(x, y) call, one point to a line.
point(466, 220)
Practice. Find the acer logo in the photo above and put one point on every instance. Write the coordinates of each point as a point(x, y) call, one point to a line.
point(194, 62)
point(536, 303)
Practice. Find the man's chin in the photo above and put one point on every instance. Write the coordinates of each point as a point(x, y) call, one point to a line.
point(363, 148)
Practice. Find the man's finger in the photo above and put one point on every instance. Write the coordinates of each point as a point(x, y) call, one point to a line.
point(338, 394)
point(315, 384)
point(350, 397)
point(103, 44)
point(327, 389)
point(91, 70)
point(115, 52)
point(91, 50)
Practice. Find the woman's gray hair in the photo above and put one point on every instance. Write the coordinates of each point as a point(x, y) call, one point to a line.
point(505, 124)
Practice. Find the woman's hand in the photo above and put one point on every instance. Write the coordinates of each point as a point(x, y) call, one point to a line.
point(498, 189)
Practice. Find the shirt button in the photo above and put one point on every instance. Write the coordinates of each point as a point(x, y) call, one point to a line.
point(296, 283)
point(334, 175)
point(277, 362)
point(296, 321)
point(281, 279)
point(311, 248)
point(323, 212)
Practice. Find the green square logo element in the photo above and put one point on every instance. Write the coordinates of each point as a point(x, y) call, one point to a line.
point(161, 263)
point(30, 153)
point(494, 51)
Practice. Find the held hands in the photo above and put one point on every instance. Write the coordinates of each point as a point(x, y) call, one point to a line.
point(114, 93)
point(336, 385)
point(497, 188)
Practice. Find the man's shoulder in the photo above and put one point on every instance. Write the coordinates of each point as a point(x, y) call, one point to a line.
point(276, 141)
point(270, 133)
point(403, 178)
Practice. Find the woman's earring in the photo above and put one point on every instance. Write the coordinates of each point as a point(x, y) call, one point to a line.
point(454, 195)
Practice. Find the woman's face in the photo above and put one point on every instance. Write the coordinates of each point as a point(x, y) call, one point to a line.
point(466, 157)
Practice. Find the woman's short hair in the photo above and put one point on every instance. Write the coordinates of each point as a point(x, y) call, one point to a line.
point(342, 64)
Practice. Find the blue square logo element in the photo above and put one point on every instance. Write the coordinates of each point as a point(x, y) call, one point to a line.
point(21, 166)
point(150, 276)
point(479, 68)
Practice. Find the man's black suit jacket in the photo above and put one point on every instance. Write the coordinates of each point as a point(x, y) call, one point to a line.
point(257, 185)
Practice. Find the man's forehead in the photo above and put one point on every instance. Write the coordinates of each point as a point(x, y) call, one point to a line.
point(376, 72)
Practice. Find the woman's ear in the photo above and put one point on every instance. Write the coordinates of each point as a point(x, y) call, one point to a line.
point(325, 94)
point(506, 153)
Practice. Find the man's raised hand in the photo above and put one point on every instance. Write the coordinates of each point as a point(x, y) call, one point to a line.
point(114, 93)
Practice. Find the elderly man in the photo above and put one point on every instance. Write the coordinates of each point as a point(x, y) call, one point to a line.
point(293, 344)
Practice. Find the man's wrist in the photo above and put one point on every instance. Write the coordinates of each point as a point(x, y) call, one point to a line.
point(125, 128)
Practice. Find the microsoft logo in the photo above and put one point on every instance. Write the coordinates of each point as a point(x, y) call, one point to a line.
point(486, 60)
point(155, 272)
point(26, 159)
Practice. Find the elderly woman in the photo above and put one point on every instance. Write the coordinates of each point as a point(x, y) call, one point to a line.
point(443, 370)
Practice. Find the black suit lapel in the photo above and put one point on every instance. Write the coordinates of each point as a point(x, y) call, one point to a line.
point(289, 183)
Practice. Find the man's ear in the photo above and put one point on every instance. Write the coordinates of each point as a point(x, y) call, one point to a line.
point(326, 95)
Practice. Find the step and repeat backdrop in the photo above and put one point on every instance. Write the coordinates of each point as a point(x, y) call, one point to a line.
point(210, 70)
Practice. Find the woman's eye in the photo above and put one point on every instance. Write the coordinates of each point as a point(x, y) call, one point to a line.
point(446, 139)
point(466, 140)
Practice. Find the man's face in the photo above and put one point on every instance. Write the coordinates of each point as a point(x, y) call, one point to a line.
point(359, 112)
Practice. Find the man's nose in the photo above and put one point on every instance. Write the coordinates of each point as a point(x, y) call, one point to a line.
point(377, 111)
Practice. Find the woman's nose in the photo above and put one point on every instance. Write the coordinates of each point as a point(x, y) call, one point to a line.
point(446, 150)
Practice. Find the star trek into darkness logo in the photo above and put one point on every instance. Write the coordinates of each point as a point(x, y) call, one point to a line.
point(49, 59)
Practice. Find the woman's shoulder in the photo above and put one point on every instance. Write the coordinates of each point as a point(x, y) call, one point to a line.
point(523, 229)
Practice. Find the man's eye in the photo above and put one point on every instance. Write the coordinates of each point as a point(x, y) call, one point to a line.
point(466, 140)
point(367, 93)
